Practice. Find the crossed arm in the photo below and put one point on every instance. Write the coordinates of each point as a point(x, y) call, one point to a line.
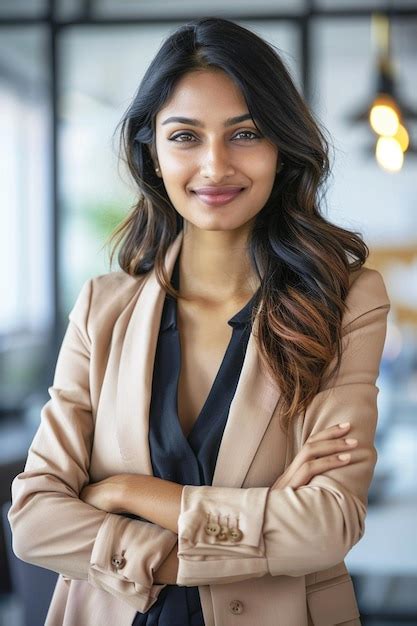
point(159, 501)
point(155, 499)
point(286, 532)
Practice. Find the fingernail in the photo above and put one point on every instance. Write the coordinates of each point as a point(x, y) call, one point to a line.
point(344, 457)
point(351, 442)
point(344, 425)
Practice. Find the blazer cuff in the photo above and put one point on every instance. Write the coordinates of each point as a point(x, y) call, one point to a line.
point(125, 555)
point(207, 551)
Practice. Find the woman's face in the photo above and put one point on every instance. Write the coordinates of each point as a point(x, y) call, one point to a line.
point(206, 151)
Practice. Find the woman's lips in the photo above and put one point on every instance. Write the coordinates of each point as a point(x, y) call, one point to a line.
point(218, 198)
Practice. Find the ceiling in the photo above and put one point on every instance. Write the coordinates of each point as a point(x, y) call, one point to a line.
point(68, 9)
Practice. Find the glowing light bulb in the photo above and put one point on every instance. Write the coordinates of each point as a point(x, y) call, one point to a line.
point(384, 119)
point(402, 137)
point(389, 154)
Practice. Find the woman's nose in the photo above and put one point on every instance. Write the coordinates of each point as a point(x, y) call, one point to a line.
point(216, 162)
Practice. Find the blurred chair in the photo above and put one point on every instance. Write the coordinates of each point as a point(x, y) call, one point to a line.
point(32, 585)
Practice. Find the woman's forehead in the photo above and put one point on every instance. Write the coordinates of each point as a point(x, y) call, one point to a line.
point(204, 96)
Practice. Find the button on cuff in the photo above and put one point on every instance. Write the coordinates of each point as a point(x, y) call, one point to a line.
point(118, 561)
point(212, 529)
point(205, 509)
point(236, 607)
point(235, 534)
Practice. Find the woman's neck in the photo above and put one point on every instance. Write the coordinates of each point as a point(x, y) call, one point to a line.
point(214, 266)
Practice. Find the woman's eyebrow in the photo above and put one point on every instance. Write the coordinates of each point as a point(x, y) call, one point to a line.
point(194, 122)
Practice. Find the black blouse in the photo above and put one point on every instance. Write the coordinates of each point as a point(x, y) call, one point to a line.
point(188, 460)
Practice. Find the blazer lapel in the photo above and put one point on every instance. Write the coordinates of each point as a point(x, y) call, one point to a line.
point(134, 385)
point(250, 412)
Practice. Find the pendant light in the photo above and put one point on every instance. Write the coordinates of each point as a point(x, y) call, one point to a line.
point(387, 114)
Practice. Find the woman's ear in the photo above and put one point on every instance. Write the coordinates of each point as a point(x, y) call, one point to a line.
point(153, 156)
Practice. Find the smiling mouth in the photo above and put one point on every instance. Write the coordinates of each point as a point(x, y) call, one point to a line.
point(219, 198)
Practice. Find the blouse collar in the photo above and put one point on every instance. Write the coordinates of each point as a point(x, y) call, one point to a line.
point(169, 313)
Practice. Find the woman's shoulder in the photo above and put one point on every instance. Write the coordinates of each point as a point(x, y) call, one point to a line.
point(367, 291)
point(102, 298)
point(114, 290)
point(116, 280)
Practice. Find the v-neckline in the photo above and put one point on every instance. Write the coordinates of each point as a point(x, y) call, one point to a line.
point(235, 336)
point(210, 393)
point(235, 321)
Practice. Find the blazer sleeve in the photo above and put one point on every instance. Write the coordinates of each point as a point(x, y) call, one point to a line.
point(51, 526)
point(288, 531)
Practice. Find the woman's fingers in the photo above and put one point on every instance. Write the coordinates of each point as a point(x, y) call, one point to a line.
point(313, 449)
point(319, 454)
point(319, 448)
point(333, 432)
point(312, 468)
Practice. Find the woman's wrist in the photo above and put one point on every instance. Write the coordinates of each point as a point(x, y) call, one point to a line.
point(126, 499)
point(119, 494)
point(130, 498)
point(148, 497)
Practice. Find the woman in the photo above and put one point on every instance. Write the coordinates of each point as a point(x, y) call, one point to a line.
point(192, 465)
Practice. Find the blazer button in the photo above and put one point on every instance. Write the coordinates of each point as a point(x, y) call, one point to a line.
point(236, 607)
point(118, 561)
point(235, 534)
point(212, 528)
point(223, 535)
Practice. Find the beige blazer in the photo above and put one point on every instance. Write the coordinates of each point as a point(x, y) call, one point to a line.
point(287, 569)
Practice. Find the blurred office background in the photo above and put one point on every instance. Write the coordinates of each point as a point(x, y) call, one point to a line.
point(68, 70)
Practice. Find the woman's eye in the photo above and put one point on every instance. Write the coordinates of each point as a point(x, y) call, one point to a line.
point(242, 132)
point(249, 132)
point(175, 137)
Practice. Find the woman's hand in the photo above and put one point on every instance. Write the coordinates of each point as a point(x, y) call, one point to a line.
point(147, 497)
point(107, 494)
point(319, 454)
point(110, 495)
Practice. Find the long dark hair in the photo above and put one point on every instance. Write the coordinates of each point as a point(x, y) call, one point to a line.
point(302, 260)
